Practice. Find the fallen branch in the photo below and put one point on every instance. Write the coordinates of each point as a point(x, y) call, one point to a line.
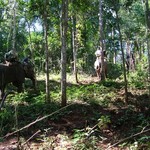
point(127, 138)
point(31, 137)
point(91, 130)
point(37, 120)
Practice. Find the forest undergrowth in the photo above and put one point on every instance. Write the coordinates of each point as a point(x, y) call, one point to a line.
point(96, 116)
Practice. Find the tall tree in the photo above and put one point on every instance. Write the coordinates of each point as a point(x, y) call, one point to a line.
point(14, 25)
point(147, 12)
point(11, 14)
point(74, 46)
point(122, 51)
point(101, 38)
point(45, 15)
point(64, 24)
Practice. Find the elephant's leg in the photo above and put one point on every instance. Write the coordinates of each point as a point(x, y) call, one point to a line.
point(20, 89)
point(19, 86)
point(31, 75)
point(33, 82)
point(2, 94)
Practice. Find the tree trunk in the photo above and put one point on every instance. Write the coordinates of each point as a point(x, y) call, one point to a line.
point(148, 34)
point(64, 21)
point(114, 55)
point(74, 48)
point(101, 39)
point(123, 60)
point(11, 39)
point(136, 45)
point(14, 26)
point(46, 53)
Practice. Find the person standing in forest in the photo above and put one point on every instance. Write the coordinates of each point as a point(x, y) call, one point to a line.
point(27, 60)
point(98, 52)
point(11, 57)
point(98, 61)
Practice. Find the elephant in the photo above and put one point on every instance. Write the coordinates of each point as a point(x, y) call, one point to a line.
point(14, 74)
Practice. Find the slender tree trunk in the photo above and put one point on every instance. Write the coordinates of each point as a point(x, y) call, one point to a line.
point(113, 47)
point(114, 57)
point(46, 53)
point(11, 39)
point(30, 40)
point(9, 35)
point(147, 12)
point(136, 45)
point(123, 60)
point(14, 26)
point(101, 39)
point(64, 23)
point(101, 25)
point(74, 48)
point(31, 49)
point(128, 50)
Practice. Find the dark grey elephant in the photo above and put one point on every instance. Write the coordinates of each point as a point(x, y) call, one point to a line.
point(14, 74)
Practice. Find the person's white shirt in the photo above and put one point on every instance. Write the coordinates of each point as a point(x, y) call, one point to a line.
point(97, 63)
point(98, 53)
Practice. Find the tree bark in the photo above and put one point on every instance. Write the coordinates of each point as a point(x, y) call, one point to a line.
point(46, 53)
point(74, 48)
point(14, 26)
point(123, 60)
point(101, 39)
point(11, 39)
point(148, 35)
point(64, 24)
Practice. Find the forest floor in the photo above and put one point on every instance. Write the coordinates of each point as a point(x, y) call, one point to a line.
point(85, 125)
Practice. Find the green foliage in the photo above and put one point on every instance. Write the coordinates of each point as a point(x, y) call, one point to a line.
point(95, 93)
point(6, 121)
point(80, 142)
point(138, 78)
point(28, 109)
point(114, 70)
point(103, 122)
